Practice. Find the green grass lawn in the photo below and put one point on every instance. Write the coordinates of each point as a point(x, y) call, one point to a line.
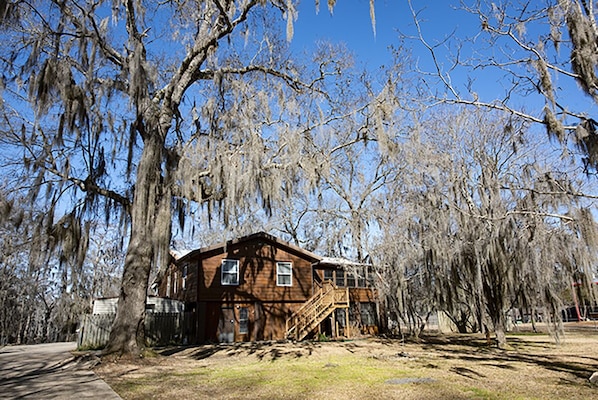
point(446, 367)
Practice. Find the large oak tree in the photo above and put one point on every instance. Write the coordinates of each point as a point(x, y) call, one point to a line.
point(138, 111)
point(481, 223)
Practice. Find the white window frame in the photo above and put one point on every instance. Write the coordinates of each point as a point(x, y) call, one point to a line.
point(229, 272)
point(243, 322)
point(280, 274)
point(185, 271)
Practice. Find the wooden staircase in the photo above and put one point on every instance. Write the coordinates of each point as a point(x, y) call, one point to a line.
point(326, 299)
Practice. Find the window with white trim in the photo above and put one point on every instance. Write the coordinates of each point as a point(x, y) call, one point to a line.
point(284, 274)
point(175, 281)
point(185, 270)
point(243, 320)
point(230, 272)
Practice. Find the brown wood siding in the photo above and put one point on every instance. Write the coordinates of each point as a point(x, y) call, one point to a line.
point(257, 275)
point(362, 295)
point(162, 287)
point(268, 305)
point(188, 294)
point(266, 321)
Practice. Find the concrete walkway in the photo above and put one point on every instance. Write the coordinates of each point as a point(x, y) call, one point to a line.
point(49, 371)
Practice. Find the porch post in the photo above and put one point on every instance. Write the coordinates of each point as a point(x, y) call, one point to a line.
point(347, 323)
point(334, 327)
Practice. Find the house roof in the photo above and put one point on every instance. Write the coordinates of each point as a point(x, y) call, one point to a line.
point(340, 262)
point(222, 247)
point(178, 254)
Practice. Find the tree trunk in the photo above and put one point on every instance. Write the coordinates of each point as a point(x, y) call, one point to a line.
point(533, 321)
point(127, 337)
point(462, 322)
point(499, 330)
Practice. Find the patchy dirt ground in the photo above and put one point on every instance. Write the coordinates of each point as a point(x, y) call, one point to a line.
point(438, 366)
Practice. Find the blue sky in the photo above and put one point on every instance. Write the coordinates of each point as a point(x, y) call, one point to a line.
point(350, 23)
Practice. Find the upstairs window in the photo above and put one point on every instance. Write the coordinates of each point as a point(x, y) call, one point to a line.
point(284, 274)
point(185, 270)
point(230, 272)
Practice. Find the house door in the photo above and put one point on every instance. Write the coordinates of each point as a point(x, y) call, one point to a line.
point(226, 326)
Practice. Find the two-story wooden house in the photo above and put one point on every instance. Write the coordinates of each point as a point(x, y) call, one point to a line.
point(259, 287)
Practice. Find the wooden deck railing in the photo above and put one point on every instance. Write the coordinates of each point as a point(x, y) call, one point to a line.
point(326, 299)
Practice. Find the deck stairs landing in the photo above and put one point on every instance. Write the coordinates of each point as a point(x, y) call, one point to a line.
point(325, 300)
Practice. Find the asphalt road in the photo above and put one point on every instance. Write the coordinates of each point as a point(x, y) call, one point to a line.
point(49, 371)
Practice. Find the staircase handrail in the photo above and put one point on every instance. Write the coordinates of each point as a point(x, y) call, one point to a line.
point(327, 298)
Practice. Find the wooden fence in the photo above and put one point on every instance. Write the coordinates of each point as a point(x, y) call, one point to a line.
point(160, 329)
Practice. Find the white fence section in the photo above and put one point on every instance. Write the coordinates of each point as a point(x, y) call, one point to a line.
point(107, 305)
point(94, 330)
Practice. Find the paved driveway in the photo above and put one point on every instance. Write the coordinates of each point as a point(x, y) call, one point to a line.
point(48, 371)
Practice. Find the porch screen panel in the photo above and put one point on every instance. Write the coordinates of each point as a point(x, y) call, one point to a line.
point(340, 278)
point(350, 279)
point(328, 275)
point(368, 313)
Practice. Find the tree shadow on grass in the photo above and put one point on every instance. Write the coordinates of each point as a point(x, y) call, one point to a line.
point(468, 373)
point(475, 349)
point(579, 369)
point(466, 348)
point(502, 366)
point(264, 351)
point(170, 350)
